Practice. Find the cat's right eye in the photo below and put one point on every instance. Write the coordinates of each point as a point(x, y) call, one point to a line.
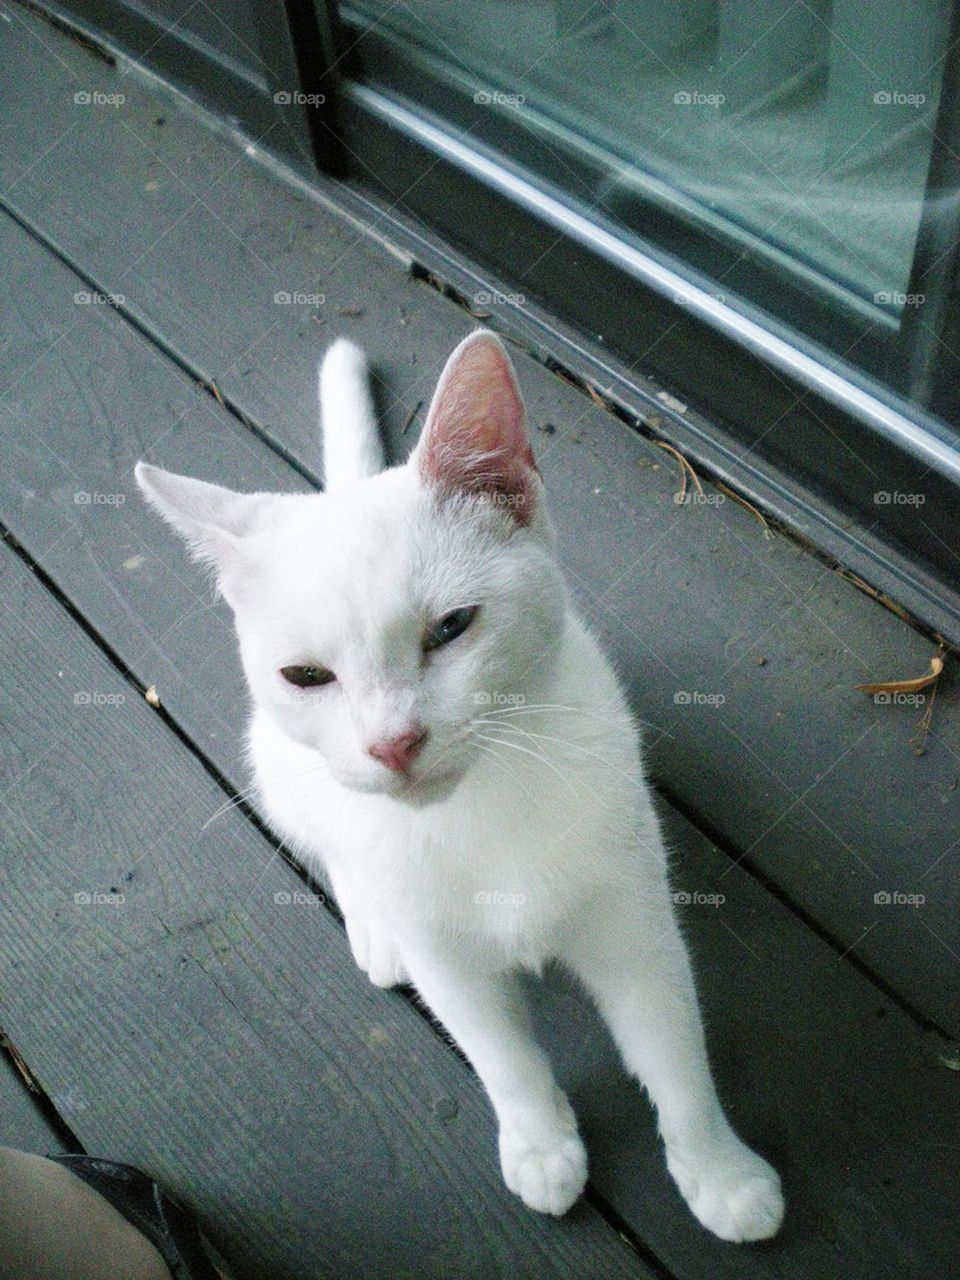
point(307, 677)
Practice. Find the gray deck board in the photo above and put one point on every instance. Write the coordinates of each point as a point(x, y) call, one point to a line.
point(828, 1077)
point(796, 771)
point(212, 1035)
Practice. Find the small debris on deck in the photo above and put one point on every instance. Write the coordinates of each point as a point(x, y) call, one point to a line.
point(445, 1109)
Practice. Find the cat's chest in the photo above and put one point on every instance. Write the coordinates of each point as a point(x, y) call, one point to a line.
point(493, 882)
point(503, 870)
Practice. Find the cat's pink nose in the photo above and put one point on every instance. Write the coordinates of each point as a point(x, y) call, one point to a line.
point(397, 753)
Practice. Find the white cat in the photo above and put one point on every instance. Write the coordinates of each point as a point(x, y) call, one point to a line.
point(437, 731)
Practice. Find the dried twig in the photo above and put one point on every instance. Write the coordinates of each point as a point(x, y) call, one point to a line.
point(748, 506)
point(919, 739)
point(7, 1046)
point(866, 588)
point(410, 417)
point(685, 470)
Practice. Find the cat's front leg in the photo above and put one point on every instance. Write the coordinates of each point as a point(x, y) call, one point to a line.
point(541, 1155)
point(373, 947)
point(635, 963)
point(371, 939)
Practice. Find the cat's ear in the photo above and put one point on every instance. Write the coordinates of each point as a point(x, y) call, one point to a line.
point(212, 520)
point(474, 439)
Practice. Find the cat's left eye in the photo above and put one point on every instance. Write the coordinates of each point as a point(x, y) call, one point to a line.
point(450, 626)
point(308, 677)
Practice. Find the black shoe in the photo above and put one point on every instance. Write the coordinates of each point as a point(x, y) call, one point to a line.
point(145, 1206)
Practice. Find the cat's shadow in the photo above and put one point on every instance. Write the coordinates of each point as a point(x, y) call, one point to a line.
point(400, 420)
point(618, 1123)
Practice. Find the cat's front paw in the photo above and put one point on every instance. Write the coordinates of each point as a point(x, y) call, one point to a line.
point(547, 1169)
point(374, 951)
point(733, 1192)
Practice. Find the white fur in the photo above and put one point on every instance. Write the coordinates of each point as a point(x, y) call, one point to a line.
point(524, 831)
point(351, 443)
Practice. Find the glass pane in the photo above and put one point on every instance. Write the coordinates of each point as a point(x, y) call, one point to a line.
point(794, 131)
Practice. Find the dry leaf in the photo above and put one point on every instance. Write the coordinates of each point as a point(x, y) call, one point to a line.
point(152, 696)
point(906, 686)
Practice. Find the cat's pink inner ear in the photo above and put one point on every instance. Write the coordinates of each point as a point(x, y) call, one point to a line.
point(474, 440)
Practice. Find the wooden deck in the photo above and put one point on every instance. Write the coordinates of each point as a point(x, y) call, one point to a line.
point(221, 1038)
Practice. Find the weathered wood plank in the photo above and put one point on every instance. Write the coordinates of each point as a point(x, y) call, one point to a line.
point(189, 1009)
point(790, 1022)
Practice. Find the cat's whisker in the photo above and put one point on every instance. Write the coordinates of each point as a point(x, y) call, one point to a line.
point(535, 754)
point(603, 718)
point(228, 805)
point(248, 793)
point(532, 706)
point(565, 742)
point(499, 759)
point(489, 751)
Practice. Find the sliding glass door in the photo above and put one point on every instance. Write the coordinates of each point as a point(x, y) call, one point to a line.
point(782, 148)
point(750, 206)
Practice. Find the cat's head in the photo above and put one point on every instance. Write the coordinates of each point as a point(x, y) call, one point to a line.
point(378, 620)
